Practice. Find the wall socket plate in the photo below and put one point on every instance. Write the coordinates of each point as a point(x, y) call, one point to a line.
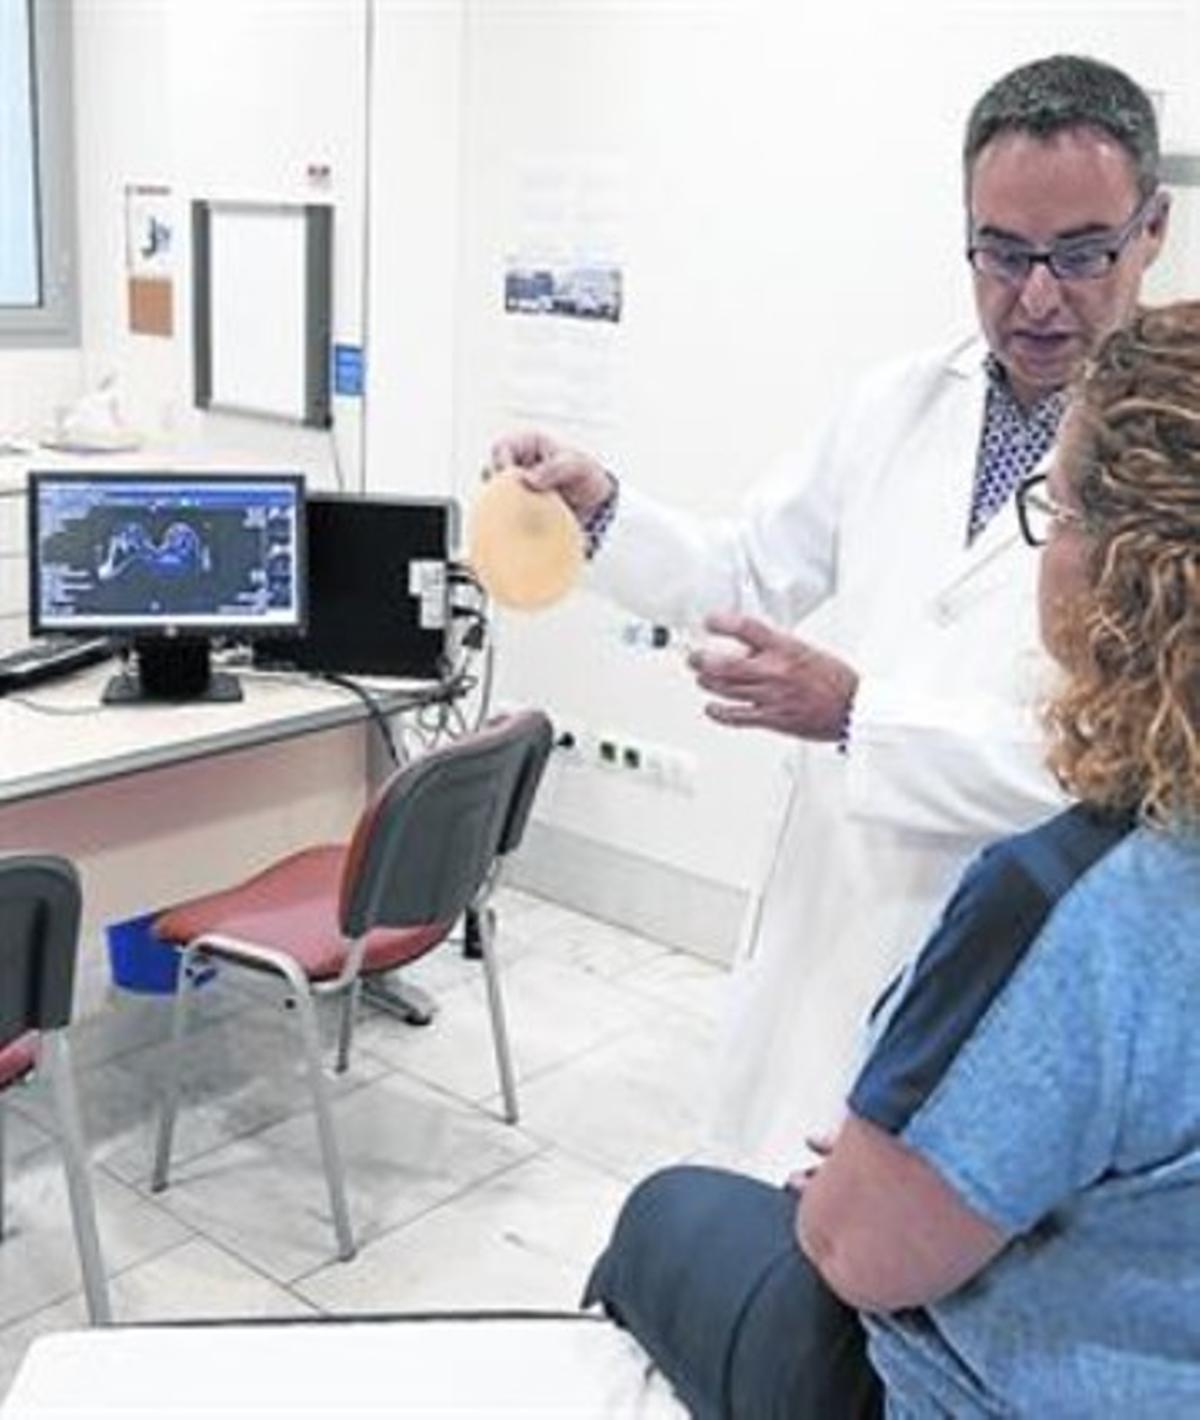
point(616, 752)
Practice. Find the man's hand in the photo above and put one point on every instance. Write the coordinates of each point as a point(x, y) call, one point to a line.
point(778, 683)
point(544, 464)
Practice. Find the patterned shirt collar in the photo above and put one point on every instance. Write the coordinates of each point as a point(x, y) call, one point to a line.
point(1013, 442)
point(1044, 414)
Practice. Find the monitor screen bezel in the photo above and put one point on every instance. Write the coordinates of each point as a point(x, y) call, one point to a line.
point(369, 498)
point(233, 626)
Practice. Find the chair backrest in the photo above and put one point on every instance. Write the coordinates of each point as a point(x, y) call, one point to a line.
point(424, 846)
point(40, 907)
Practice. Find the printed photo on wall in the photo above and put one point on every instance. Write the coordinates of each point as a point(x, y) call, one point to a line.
point(148, 259)
point(590, 292)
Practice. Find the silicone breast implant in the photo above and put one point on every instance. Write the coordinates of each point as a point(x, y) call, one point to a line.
point(526, 547)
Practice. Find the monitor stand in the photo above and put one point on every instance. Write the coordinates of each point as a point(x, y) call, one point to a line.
point(171, 669)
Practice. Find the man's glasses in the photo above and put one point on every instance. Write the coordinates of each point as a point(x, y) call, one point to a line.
point(1086, 258)
point(1039, 514)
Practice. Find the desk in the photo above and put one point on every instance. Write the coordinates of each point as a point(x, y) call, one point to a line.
point(157, 803)
point(71, 739)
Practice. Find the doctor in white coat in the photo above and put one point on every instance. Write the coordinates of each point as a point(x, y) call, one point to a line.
point(919, 736)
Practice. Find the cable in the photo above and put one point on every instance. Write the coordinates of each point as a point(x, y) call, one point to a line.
point(441, 700)
point(459, 718)
point(476, 637)
point(43, 709)
point(339, 475)
point(378, 718)
point(436, 713)
point(464, 573)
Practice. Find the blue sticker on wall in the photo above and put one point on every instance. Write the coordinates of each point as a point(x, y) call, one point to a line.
point(348, 370)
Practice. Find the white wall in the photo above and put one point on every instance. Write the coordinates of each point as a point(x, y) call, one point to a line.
point(791, 215)
point(416, 181)
point(218, 99)
point(32, 384)
point(235, 99)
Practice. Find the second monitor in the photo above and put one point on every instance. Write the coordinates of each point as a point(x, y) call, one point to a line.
point(377, 593)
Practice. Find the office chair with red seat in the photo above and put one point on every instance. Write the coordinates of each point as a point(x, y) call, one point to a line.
point(40, 908)
point(426, 849)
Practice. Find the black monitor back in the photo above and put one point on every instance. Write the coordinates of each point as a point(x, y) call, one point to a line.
point(377, 599)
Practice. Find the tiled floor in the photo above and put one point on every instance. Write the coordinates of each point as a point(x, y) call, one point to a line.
point(612, 1036)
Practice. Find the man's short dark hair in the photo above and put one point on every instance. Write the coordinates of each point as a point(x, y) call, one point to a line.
point(1066, 91)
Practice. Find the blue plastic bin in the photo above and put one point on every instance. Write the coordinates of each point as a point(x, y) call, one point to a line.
point(141, 961)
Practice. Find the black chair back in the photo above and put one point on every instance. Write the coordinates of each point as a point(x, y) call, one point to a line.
point(538, 744)
point(40, 908)
point(426, 844)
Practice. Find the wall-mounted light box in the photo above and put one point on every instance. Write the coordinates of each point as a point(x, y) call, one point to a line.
point(262, 278)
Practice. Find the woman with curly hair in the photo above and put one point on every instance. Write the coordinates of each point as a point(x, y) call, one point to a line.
point(1011, 1208)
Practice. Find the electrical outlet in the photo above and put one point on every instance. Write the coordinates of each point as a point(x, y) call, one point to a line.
point(566, 743)
point(654, 765)
point(607, 752)
point(569, 742)
point(646, 636)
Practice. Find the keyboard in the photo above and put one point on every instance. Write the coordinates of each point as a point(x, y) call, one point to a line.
point(50, 657)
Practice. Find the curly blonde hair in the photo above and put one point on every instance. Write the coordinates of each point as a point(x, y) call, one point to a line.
point(1124, 733)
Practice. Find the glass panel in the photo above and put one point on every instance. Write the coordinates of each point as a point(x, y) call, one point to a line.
point(20, 277)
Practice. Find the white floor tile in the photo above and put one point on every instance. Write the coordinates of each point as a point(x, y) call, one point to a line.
point(404, 1147)
point(587, 943)
point(554, 1011)
point(524, 1238)
point(546, 919)
point(513, 903)
point(682, 980)
point(195, 1281)
point(38, 1260)
point(241, 1074)
point(633, 1104)
point(131, 1020)
point(18, 1336)
point(24, 1134)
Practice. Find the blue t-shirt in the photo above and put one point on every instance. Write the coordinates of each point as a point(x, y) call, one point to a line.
point(1044, 1058)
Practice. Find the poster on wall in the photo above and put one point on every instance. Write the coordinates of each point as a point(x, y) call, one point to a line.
point(573, 292)
point(149, 259)
point(563, 291)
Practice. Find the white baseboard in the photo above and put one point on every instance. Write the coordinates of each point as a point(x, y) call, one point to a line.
point(658, 901)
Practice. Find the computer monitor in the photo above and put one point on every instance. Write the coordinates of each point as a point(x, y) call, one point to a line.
point(167, 561)
point(377, 594)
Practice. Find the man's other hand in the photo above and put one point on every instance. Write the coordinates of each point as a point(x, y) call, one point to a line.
point(778, 682)
point(545, 465)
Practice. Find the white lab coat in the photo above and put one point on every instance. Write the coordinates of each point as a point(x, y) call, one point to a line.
point(945, 751)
